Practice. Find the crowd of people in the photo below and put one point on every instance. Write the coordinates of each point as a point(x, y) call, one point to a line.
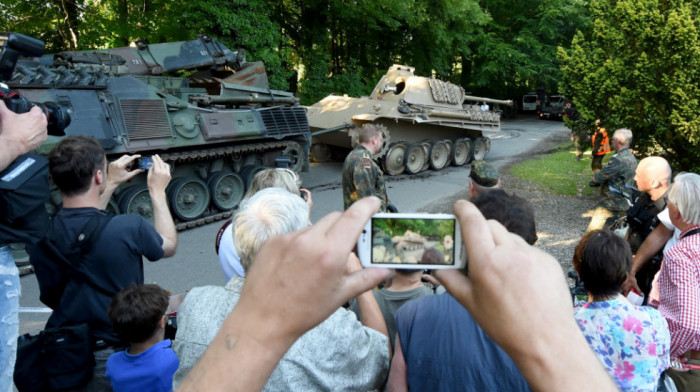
point(299, 312)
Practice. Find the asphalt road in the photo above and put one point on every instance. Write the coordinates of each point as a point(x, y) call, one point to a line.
point(196, 263)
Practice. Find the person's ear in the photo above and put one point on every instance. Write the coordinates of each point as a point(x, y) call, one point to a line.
point(472, 189)
point(162, 322)
point(99, 177)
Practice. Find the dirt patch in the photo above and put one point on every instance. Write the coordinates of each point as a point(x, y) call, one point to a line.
point(561, 220)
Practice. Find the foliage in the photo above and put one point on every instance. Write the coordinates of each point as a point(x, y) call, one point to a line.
point(435, 229)
point(559, 172)
point(496, 48)
point(639, 68)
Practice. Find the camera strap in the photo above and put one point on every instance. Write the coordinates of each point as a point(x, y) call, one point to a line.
point(689, 233)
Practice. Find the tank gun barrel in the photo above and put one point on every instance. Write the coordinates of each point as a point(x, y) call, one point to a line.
point(472, 98)
point(154, 59)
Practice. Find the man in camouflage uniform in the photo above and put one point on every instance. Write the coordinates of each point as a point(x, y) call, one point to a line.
point(616, 175)
point(361, 175)
point(482, 177)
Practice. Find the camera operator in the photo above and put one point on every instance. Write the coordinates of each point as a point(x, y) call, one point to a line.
point(19, 134)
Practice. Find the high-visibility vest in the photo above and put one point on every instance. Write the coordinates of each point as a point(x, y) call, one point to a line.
point(603, 145)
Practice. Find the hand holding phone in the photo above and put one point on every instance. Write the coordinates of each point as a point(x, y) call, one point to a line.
point(419, 241)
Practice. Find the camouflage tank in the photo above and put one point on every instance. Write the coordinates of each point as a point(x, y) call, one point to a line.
point(216, 127)
point(433, 123)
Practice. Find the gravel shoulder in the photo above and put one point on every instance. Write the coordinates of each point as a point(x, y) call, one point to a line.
point(561, 220)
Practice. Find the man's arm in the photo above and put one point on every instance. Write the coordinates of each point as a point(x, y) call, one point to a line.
point(519, 296)
point(397, 374)
point(20, 133)
point(608, 172)
point(654, 242)
point(370, 314)
point(158, 179)
point(364, 179)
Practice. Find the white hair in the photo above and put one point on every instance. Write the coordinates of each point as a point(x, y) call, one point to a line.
point(268, 213)
point(624, 136)
point(685, 194)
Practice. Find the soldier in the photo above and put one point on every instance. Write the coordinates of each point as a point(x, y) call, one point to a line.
point(618, 174)
point(601, 146)
point(361, 175)
point(482, 176)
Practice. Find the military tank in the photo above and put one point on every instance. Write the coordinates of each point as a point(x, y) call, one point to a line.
point(432, 123)
point(216, 127)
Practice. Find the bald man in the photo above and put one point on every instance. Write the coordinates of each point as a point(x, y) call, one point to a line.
point(653, 179)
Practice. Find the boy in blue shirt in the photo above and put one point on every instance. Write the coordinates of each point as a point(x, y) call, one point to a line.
point(138, 316)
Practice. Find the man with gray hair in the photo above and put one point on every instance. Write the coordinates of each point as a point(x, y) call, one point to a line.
point(618, 175)
point(338, 354)
point(679, 280)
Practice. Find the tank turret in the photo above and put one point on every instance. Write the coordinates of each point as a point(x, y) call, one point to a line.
point(432, 123)
point(216, 127)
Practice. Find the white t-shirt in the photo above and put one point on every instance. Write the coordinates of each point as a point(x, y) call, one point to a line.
point(665, 219)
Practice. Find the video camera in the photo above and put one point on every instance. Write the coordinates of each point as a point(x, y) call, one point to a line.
point(12, 46)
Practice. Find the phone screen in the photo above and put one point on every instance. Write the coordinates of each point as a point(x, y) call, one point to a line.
point(420, 241)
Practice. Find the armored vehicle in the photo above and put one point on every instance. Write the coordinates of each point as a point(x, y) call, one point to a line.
point(554, 108)
point(432, 123)
point(216, 127)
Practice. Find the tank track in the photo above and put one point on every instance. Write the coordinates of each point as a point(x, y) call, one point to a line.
point(214, 153)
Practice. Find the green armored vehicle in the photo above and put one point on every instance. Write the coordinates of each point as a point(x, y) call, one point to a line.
point(432, 123)
point(216, 127)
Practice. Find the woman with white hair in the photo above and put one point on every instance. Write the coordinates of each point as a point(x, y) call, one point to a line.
point(268, 178)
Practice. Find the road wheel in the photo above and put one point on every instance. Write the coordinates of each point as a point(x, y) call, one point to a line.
point(439, 155)
point(479, 149)
point(415, 158)
point(226, 188)
point(135, 199)
point(427, 143)
point(321, 153)
point(188, 197)
point(461, 151)
point(296, 154)
point(112, 207)
point(393, 162)
point(248, 172)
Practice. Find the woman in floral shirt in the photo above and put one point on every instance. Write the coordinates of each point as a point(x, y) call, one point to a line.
point(632, 341)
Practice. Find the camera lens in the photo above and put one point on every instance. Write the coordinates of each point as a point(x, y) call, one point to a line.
point(58, 118)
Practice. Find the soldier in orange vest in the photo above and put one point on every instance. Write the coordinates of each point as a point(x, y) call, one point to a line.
point(601, 146)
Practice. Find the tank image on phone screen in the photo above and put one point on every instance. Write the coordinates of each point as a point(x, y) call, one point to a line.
point(413, 241)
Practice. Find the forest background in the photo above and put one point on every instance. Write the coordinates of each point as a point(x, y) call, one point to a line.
point(631, 63)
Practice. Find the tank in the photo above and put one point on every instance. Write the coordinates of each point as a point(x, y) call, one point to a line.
point(216, 127)
point(430, 123)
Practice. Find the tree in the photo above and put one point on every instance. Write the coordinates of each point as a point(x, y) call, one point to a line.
point(639, 68)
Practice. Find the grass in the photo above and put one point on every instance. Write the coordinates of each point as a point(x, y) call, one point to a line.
point(559, 172)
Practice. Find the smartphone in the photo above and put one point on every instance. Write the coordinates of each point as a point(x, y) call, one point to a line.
point(145, 163)
point(418, 241)
point(635, 297)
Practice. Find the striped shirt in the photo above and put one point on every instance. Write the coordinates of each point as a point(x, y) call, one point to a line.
point(679, 293)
